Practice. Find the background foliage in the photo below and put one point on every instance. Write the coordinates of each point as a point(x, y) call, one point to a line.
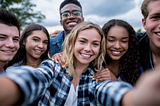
point(23, 9)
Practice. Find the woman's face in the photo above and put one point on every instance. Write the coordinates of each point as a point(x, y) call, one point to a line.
point(36, 44)
point(87, 46)
point(117, 42)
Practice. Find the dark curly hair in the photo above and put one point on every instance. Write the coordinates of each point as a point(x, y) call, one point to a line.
point(129, 67)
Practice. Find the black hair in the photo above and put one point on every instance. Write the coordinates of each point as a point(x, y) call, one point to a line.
point(129, 67)
point(65, 2)
point(9, 19)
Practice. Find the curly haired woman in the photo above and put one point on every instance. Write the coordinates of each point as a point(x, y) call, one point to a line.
point(122, 57)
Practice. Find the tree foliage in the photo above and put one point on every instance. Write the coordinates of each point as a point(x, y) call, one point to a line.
point(23, 9)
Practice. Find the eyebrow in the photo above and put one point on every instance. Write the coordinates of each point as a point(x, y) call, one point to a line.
point(3, 34)
point(7, 35)
point(72, 11)
point(38, 38)
point(115, 37)
point(87, 39)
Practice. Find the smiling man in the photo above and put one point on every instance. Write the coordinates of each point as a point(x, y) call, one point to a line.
point(71, 15)
point(9, 36)
point(150, 41)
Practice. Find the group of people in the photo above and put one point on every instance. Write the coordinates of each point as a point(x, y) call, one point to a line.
point(90, 65)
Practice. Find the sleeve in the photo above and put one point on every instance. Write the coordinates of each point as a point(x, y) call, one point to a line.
point(110, 93)
point(32, 81)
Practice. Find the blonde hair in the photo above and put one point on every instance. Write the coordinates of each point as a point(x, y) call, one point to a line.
point(69, 43)
point(144, 8)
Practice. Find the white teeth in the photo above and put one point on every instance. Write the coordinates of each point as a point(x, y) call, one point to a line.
point(116, 52)
point(8, 51)
point(158, 33)
point(72, 23)
point(38, 51)
point(85, 55)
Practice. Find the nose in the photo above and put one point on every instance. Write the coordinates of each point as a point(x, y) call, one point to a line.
point(10, 43)
point(71, 15)
point(117, 45)
point(87, 48)
point(40, 45)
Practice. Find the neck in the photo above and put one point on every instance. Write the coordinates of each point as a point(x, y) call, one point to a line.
point(2, 65)
point(113, 66)
point(66, 33)
point(155, 56)
point(33, 62)
point(78, 72)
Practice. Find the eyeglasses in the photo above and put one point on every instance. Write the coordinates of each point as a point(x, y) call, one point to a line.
point(68, 14)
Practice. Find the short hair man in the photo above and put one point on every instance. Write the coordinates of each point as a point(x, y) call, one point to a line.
point(150, 41)
point(71, 15)
point(9, 36)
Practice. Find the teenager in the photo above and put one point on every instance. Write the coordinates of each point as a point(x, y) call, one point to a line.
point(70, 15)
point(9, 36)
point(34, 45)
point(150, 41)
point(122, 53)
point(84, 50)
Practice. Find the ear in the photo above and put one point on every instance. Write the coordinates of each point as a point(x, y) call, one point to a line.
point(61, 21)
point(24, 42)
point(144, 23)
point(82, 19)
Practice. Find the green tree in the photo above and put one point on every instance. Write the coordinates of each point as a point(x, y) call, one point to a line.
point(23, 9)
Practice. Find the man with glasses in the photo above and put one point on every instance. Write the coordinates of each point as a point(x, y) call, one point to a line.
point(70, 16)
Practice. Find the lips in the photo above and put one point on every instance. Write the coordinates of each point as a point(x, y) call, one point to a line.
point(157, 34)
point(38, 51)
point(85, 56)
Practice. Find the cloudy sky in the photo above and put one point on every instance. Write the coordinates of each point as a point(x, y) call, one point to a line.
point(97, 11)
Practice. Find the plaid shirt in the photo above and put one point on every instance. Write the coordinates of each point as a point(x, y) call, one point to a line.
point(51, 83)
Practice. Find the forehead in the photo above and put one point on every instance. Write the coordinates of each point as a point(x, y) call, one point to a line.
point(70, 7)
point(118, 32)
point(38, 33)
point(90, 34)
point(9, 30)
point(154, 7)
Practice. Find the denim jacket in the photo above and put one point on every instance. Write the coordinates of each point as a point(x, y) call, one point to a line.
point(145, 53)
point(56, 44)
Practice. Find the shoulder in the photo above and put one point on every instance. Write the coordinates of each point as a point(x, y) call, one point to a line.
point(58, 37)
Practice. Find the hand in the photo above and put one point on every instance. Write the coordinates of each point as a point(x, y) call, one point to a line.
point(55, 33)
point(57, 58)
point(103, 75)
point(147, 90)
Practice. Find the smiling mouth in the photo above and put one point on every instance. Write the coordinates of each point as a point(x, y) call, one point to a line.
point(38, 51)
point(116, 53)
point(7, 51)
point(72, 23)
point(85, 56)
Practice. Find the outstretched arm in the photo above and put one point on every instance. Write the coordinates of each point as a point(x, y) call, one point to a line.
point(27, 81)
point(9, 92)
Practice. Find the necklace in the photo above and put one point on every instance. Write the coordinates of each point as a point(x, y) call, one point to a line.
point(33, 65)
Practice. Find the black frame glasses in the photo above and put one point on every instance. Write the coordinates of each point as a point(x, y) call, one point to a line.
point(68, 14)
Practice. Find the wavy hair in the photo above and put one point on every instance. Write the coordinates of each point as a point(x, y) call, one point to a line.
point(69, 43)
point(129, 67)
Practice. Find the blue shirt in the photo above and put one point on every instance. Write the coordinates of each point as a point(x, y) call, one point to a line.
point(52, 83)
point(56, 44)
